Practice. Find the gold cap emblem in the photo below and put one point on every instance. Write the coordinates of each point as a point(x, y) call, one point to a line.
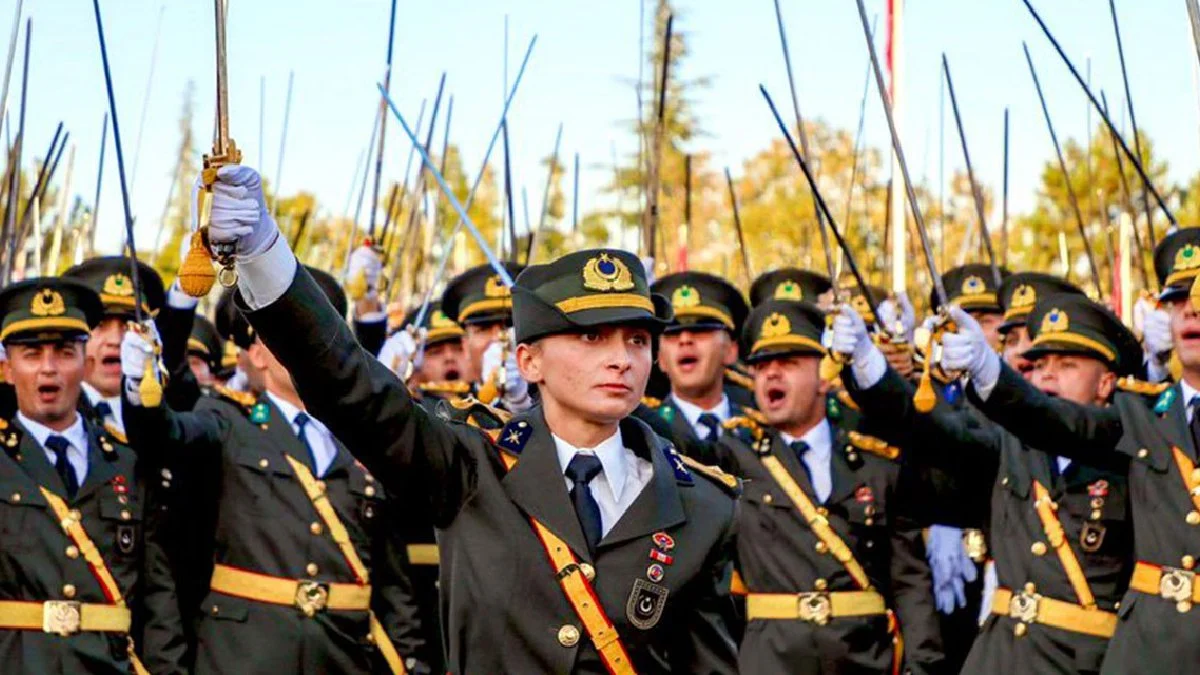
point(118, 284)
point(1024, 296)
point(47, 302)
point(775, 326)
point(606, 273)
point(789, 290)
point(1187, 258)
point(495, 288)
point(685, 297)
point(1055, 321)
point(438, 319)
point(973, 285)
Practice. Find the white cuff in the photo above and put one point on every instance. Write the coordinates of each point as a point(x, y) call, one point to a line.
point(988, 377)
point(870, 369)
point(371, 317)
point(177, 299)
point(264, 278)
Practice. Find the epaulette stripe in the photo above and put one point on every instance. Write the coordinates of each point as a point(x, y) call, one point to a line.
point(739, 379)
point(875, 446)
point(651, 402)
point(1130, 384)
point(712, 472)
point(845, 399)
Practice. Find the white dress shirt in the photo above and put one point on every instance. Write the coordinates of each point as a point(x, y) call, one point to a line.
point(319, 438)
point(1187, 391)
point(622, 476)
point(691, 412)
point(76, 435)
point(114, 418)
point(818, 457)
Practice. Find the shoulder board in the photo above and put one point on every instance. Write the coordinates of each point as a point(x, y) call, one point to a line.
point(651, 402)
point(845, 399)
point(243, 399)
point(750, 423)
point(740, 379)
point(728, 482)
point(1130, 384)
point(472, 412)
point(10, 437)
point(875, 446)
point(115, 433)
point(450, 387)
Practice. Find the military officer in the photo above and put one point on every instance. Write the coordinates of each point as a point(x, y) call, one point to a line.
point(825, 549)
point(305, 576)
point(235, 330)
point(479, 301)
point(71, 500)
point(972, 287)
point(694, 351)
point(437, 359)
point(1060, 530)
point(1152, 427)
point(1018, 294)
point(792, 283)
point(205, 349)
point(109, 278)
point(551, 526)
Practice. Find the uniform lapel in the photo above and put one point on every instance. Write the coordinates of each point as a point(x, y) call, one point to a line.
point(845, 478)
point(1179, 433)
point(537, 486)
point(681, 429)
point(792, 463)
point(100, 468)
point(281, 434)
point(36, 464)
point(659, 505)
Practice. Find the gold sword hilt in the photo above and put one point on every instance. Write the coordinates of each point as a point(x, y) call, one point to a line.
point(221, 253)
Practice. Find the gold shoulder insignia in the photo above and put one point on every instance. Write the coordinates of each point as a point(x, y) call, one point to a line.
point(740, 379)
point(845, 399)
point(873, 445)
point(242, 398)
point(449, 387)
point(745, 422)
point(116, 434)
point(651, 402)
point(1130, 384)
point(475, 413)
point(729, 481)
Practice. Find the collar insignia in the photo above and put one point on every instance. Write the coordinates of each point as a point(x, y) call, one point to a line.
point(1165, 399)
point(606, 273)
point(514, 436)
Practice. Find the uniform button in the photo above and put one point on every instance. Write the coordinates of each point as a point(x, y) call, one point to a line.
point(822, 511)
point(1183, 606)
point(311, 569)
point(69, 591)
point(1030, 587)
point(1143, 453)
point(1038, 548)
point(1004, 481)
point(315, 528)
point(568, 636)
point(72, 551)
point(1020, 629)
point(1193, 518)
point(215, 610)
point(820, 584)
point(263, 463)
point(321, 486)
point(125, 514)
point(16, 497)
point(369, 491)
point(767, 499)
point(1188, 562)
point(75, 515)
point(822, 547)
point(1096, 514)
point(589, 572)
point(166, 474)
point(869, 522)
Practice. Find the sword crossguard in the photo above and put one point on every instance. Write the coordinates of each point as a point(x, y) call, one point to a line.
point(218, 159)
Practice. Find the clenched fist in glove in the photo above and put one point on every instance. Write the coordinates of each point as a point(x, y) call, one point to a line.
point(239, 212)
point(500, 362)
point(138, 350)
point(968, 350)
point(850, 337)
point(398, 351)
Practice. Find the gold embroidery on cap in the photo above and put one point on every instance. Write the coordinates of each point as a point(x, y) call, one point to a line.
point(1187, 258)
point(118, 284)
point(789, 290)
point(775, 325)
point(495, 288)
point(685, 297)
point(973, 285)
point(438, 319)
point(1024, 296)
point(47, 302)
point(607, 273)
point(1055, 321)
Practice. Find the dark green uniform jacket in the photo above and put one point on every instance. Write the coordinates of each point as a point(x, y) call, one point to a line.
point(263, 523)
point(1093, 508)
point(503, 609)
point(1153, 636)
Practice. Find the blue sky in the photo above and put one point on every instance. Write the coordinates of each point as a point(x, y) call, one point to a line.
point(580, 74)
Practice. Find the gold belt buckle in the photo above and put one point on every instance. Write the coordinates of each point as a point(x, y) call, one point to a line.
point(1024, 606)
point(311, 597)
point(1176, 584)
point(61, 617)
point(815, 607)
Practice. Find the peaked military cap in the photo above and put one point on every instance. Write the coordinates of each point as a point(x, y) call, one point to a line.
point(971, 287)
point(438, 327)
point(585, 289)
point(1177, 262)
point(702, 301)
point(109, 278)
point(206, 343)
point(230, 324)
point(1020, 292)
point(480, 296)
point(48, 309)
point(859, 301)
point(778, 328)
point(789, 283)
point(1073, 324)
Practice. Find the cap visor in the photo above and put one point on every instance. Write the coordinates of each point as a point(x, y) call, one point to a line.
point(780, 353)
point(1065, 349)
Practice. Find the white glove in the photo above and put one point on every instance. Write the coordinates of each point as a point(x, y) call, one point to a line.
point(399, 350)
point(648, 268)
point(502, 363)
point(1156, 334)
point(239, 212)
point(366, 261)
point(137, 350)
point(898, 315)
point(849, 336)
point(968, 350)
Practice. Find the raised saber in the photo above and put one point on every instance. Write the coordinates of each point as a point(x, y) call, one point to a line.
point(1137, 137)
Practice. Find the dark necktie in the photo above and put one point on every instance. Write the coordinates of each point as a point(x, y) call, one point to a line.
point(104, 410)
point(800, 448)
point(712, 424)
point(301, 421)
point(1194, 425)
point(59, 446)
point(580, 471)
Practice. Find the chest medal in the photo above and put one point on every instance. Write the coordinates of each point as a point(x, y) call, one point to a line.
point(645, 606)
